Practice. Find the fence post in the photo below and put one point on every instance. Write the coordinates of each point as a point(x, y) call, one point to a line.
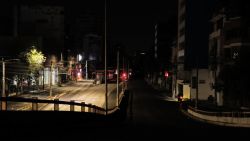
point(83, 107)
point(56, 104)
point(72, 106)
point(90, 108)
point(3, 104)
point(34, 104)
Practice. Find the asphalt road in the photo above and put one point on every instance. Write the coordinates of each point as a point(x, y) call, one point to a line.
point(152, 113)
point(150, 108)
point(89, 94)
point(78, 92)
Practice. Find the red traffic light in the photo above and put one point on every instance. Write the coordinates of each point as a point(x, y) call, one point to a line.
point(124, 76)
point(166, 74)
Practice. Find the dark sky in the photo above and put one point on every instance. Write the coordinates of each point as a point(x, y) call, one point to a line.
point(132, 22)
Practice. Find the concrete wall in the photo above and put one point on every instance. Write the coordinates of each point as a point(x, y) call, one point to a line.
point(204, 87)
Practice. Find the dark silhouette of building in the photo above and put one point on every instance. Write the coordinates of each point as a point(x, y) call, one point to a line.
point(191, 45)
point(228, 53)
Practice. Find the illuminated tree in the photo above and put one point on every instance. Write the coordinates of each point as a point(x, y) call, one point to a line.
point(35, 59)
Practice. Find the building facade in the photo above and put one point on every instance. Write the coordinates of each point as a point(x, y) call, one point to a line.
point(216, 53)
point(191, 66)
point(228, 52)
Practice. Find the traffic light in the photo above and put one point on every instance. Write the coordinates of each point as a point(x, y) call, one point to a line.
point(166, 74)
point(124, 76)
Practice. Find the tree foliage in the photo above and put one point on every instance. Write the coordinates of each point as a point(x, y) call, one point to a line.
point(35, 59)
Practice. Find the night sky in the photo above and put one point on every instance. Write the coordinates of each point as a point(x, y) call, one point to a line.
point(132, 22)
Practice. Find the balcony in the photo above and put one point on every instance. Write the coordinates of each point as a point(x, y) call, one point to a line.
point(182, 25)
point(182, 38)
point(181, 53)
point(215, 34)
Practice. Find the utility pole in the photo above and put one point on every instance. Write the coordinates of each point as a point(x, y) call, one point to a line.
point(118, 75)
point(106, 84)
point(3, 79)
point(86, 69)
point(3, 103)
point(43, 78)
point(50, 84)
point(197, 84)
point(128, 70)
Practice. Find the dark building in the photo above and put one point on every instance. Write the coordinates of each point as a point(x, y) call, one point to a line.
point(84, 32)
point(229, 51)
point(82, 21)
point(26, 25)
point(192, 43)
point(46, 23)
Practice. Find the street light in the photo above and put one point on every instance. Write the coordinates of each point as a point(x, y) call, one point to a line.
point(105, 52)
point(117, 79)
point(50, 83)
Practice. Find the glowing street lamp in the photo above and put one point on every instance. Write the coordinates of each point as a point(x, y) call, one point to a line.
point(105, 52)
point(79, 57)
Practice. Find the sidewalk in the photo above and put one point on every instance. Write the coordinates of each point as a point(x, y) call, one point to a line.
point(163, 91)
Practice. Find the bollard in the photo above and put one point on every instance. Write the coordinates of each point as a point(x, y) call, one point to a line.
point(56, 105)
point(72, 106)
point(83, 107)
point(34, 104)
point(90, 108)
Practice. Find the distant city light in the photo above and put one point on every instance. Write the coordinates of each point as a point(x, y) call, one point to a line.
point(143, 53)
point(124, 74)
point(166, 74)
point(78, 74)
point(79, 57)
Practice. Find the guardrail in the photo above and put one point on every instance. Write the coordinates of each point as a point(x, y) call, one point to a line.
point(35, 101)
point(233, 118)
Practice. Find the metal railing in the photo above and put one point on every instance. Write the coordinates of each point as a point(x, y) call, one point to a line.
point(35, 101)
